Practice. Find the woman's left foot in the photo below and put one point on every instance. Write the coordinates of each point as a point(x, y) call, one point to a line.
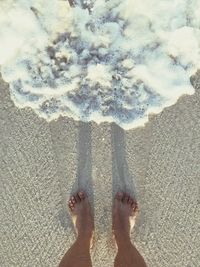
point(125, 210)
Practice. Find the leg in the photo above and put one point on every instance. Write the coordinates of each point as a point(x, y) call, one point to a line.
point(79, 254)
point(124, 214)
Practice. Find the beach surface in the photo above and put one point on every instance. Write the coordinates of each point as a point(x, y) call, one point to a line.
point(42, 164)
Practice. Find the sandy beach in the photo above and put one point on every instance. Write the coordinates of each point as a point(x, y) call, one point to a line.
point(42, 163)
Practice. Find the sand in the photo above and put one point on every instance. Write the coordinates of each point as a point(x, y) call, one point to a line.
point(42, 163)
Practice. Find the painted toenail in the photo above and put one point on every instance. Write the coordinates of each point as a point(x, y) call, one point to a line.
point(81, 194)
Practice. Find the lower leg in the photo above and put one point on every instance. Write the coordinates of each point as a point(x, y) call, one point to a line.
point(79, 254)
point(128, 255)
point(124, 213)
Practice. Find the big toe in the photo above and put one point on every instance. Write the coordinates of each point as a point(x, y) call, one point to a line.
point(126, 199)
point(82, 195)
point(119, 196)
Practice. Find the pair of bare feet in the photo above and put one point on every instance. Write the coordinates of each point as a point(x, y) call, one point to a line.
point(124, 213)
point(125, 209)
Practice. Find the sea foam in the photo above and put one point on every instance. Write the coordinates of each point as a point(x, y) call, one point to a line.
point(103, 60)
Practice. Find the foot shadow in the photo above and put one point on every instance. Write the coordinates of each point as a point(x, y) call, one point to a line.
point(121, 177)
point(84, 161)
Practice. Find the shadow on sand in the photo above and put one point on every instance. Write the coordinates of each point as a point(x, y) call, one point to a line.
point(121, 177)
point(84, 160)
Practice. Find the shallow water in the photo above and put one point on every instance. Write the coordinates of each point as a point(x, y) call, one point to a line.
point(102, 61)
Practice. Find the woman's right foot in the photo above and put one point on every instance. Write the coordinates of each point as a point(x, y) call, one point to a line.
point(82, 215)
point(125, 210)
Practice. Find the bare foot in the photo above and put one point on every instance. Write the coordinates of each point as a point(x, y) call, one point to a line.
point(82, 215)
point(125, 210)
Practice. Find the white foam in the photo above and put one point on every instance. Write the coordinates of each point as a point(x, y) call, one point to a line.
point(103, 61)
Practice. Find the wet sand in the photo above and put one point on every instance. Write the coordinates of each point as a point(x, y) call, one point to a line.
point(42, 163)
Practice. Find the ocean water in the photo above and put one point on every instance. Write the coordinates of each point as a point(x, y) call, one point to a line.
point(103, 60)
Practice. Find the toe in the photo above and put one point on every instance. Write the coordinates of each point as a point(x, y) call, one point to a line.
point(71, 205)
point(82, 195)
point(77, 198)
point(73, 200)
point(130, 201)
point(70, 202)
point(134, 205)
point(126, 198)
point(71, 208)
point(119, 196)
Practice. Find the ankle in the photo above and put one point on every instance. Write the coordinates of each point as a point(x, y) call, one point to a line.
point(122, 239)
point(85, 238)
point(85, 233)
point(83, 242)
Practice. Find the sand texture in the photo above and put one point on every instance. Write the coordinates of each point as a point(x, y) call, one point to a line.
point(42, 163)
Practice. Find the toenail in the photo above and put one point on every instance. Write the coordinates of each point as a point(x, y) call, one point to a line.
point(119, 194)
point(81, 194)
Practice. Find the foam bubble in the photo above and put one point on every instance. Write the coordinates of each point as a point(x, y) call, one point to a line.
point(103, 60)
